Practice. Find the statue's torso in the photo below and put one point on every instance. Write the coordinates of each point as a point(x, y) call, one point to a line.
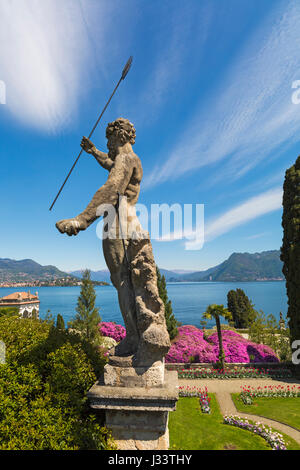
point(133, 188)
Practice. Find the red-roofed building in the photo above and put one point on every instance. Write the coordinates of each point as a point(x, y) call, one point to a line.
point(27, 303)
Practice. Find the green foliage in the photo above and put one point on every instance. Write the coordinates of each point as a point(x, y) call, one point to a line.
point(60, 324)
point(87, 317)
point(290, 250)
point(241, 308)
point(9, 311)
point(266, 330)
point(42, 388)
point(216, 311)
point(70, 374)
point(171, 322)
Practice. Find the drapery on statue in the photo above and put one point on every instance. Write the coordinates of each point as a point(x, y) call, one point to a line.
point(133, 270)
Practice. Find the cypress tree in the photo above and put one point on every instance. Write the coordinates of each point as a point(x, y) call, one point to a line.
point(232, 305)
point(290, 250)
point(171, 322)
point(241, 308)
point(87, 318)
point(60, 324)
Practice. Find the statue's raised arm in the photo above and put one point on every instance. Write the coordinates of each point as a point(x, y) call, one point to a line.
point(101, 157)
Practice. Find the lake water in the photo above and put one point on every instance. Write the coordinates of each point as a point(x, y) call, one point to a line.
point(189, 300)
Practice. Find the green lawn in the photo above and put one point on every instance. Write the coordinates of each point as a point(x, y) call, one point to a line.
point(190, 429)
point(285, 410)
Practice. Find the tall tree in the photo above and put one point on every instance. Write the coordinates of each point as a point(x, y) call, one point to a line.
point(87, 318)
point(217, 311)
point(290, 250)
point(241, 308)
point(171, 322)
point(60, 323)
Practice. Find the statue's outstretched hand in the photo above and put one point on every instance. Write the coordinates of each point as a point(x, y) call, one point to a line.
point(87, 145)
point(71, 226)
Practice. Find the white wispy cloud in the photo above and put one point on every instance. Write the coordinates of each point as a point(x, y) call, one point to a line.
point(45, 59)
point(251, 209)
point(242, 213)
point(251, 116)
point(256, 235)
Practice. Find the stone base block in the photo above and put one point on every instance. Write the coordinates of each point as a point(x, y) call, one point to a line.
point(139, 430)
point(137, 416)
point(116, 376)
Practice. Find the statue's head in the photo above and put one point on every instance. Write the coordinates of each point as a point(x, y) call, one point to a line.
point(122, 131)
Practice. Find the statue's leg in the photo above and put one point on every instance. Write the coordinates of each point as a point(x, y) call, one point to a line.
point(154, 340)
point(120, 277)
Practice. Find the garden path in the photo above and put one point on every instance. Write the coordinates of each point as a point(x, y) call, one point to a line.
point(224, 388)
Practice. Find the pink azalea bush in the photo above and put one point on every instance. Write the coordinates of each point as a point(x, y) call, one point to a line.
point(239, 349)
point(191, 346)
point(112, 330)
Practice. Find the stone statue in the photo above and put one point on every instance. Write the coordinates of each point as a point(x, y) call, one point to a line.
point(130, 260)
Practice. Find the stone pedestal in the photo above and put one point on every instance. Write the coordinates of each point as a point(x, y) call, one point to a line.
point(137, 402)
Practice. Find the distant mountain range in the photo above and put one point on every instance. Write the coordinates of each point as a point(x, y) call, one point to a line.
point(265, 266)
point(28, 270)
point(102, 275)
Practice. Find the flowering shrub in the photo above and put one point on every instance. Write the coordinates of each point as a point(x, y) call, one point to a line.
point(111, 329)
point(273, 438)
point(239, 349)
point(190, 342)
point(186, 391)
point(191, 346)
point(271, 391)
point(236, 373)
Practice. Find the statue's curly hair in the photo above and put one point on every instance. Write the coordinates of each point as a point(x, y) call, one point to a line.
point(124, 128)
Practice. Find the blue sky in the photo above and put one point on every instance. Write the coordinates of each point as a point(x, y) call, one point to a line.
point(209, 93)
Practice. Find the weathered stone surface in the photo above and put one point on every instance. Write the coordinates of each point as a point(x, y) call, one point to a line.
point(163, 398)
point(130, 260)
point(138, 416)
point(152, 376)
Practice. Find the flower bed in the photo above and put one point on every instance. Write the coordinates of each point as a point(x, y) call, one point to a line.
point(273, 438)
point(185, 391)
point(236, 373)
point(271, 391)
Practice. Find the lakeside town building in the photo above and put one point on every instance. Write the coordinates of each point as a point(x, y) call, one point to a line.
point(28, 304)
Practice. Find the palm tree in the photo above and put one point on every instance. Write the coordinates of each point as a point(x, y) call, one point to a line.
point(217, 311)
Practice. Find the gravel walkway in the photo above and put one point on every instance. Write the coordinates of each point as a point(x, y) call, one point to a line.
point(224, 388)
